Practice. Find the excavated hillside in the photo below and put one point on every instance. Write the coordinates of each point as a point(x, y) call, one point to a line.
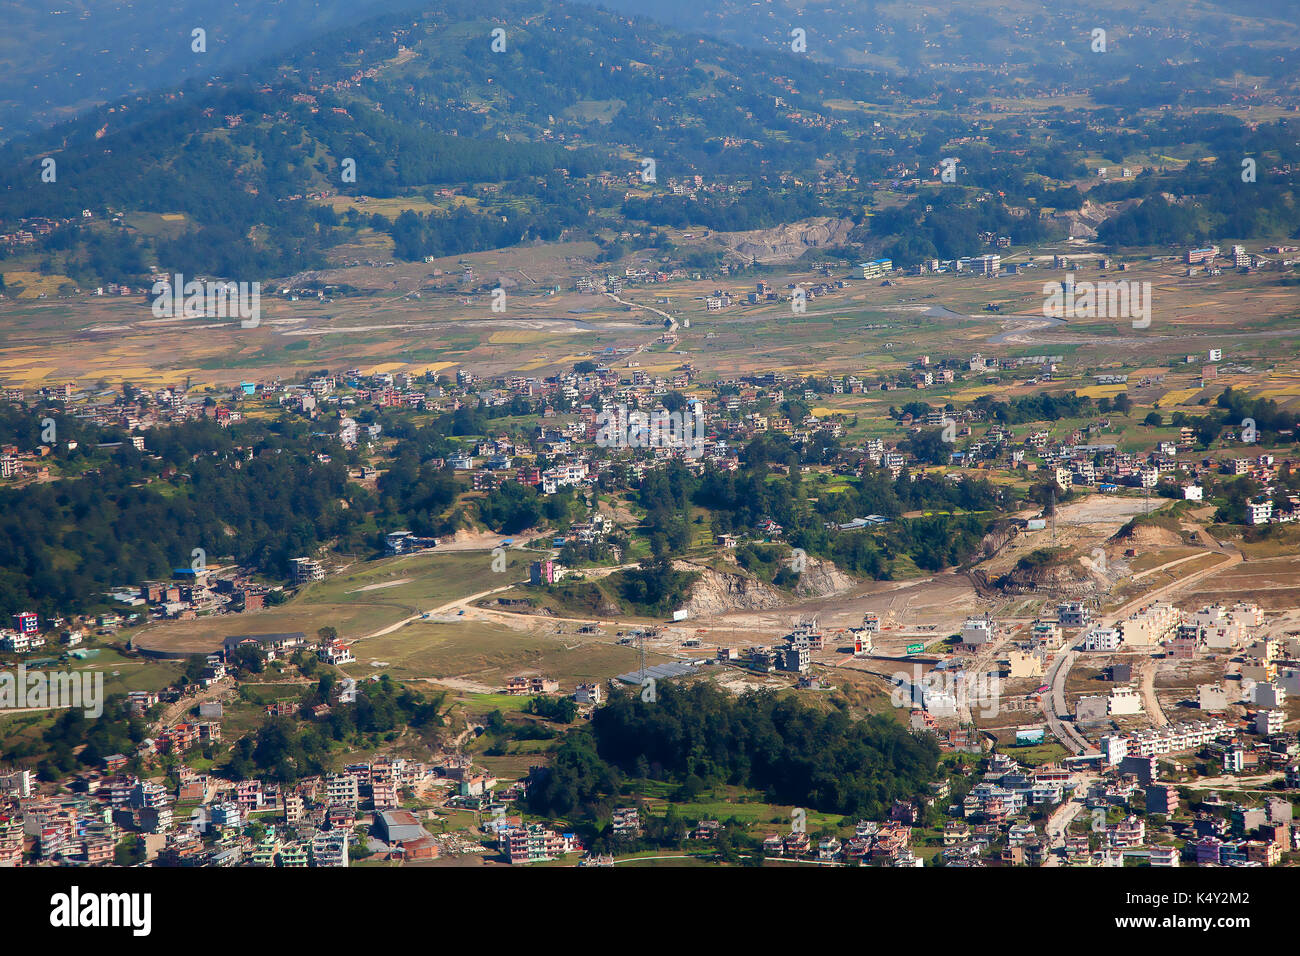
point(787, 242)
point(1052, 571)
point(1152, 536)
point(822, 578)
point(720, 592)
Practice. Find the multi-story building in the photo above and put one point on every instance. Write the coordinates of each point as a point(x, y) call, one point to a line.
point(1150, 626)
point(342, 790)
point(330, 847)
point(797, 656)
point(535, 843)
point(1162, 798)
point(1101, 639)
point(1259, 511)
point(1073, 614)
point(307, 569)
point(1268, 722)
point(875, 268)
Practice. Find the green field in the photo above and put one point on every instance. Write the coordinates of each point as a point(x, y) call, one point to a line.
point(487, 653)
point(349, 602)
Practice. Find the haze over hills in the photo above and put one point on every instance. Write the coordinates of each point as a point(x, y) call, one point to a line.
point(423, 102)
point(1041, 40)
point(57, 62)
point(538, 141)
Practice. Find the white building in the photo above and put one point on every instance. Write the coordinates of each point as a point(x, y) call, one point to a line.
point(1163, 856)
point(1113, 750)
point(976, 631)
point(307, 569)
point(1102, 639)
point(1226, 629)
point(1124, 701)
point(1259, 512)
point(336, 653)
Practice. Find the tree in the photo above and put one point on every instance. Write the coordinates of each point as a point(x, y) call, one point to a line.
point(130, 852)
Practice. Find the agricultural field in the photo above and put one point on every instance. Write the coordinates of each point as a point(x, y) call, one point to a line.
point(356, 603)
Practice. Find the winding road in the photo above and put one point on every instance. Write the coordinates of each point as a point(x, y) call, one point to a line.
point(1054, 703)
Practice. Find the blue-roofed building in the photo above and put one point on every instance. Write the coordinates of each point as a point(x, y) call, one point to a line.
point(873, 268)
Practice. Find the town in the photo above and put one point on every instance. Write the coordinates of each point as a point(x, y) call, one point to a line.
point(526, 436)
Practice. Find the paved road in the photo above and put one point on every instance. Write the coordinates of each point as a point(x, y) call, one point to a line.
point(1234, 557)
point(1147, 668)
point(1058, 824)
point(1054, 705)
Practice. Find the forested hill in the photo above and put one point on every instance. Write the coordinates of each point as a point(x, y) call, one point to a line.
point(421, 101)
point(509, 121)
point(1012, 45)
point(58, 59)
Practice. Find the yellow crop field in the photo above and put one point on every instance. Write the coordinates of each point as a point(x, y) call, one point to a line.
point(1179, 396)
point(1278, 388)
point(432, 368)
point(28, 376)
point(967, 394)
point(1101, 391)
point(384, 367)
point(390, 207)
point(558, 360)
point(517, 337)
point(20, 362)
point(34, 284)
